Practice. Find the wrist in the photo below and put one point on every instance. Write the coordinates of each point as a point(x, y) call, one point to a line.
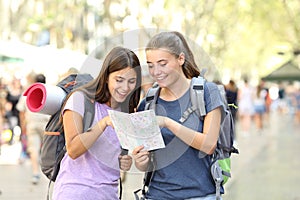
point(167, 121)
point(141, 167)
point(103, 124)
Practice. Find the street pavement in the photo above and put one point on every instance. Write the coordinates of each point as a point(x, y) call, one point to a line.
point(15, 178)
point(267, 167)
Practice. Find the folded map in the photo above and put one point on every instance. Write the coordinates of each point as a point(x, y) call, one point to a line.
point(135, 129)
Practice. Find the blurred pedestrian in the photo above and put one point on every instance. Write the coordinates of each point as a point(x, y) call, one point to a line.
point(231, 95)
point(14, 92)
point(259, 107)
point(32, 125)
point(71, 70)
point(296, 103)
point(3, 93)
point(282, 106)
point(246, 106)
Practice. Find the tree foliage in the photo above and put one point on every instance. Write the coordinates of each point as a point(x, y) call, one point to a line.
point(240, 36)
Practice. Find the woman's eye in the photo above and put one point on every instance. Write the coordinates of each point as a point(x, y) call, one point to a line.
point(119, 80)
point(150, 65)
point(162, 64)
point(132, 81)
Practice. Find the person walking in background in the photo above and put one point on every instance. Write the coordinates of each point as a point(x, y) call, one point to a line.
point(90, 169)
point(33, 125)
point(183, 166)
point(296, 104)
point(282, 105)
point(14, 92)
point(268, 103)
point(71, 70)
point(246, 107)
point(3, 93)
point(231, 95)
point(259, 106)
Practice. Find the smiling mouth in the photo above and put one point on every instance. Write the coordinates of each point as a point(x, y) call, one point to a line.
point(160, 78)
point(122, 94)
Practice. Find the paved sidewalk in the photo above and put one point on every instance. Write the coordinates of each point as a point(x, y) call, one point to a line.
point(267, 168)
point(15, 178)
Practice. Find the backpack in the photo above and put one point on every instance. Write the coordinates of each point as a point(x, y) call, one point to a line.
point(220, 163)
point(53, 144)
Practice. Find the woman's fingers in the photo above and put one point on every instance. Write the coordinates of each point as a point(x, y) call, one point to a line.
point(125, 162)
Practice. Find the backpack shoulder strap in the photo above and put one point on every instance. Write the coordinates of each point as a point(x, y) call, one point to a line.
point(197, 95)
point(197, 99)
point(89, 113)
point(152, 96)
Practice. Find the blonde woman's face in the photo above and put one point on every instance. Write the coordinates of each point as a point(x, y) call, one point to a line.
point(164, 67)
point(120, 84)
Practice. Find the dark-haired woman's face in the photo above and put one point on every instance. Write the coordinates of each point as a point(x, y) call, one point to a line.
point(120, 84)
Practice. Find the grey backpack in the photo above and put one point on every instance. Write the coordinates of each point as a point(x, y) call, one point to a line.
point(220, 163)
point(53, 145)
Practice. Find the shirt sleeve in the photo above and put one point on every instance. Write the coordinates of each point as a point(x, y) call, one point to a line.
point(75, 103)
point(212, 96)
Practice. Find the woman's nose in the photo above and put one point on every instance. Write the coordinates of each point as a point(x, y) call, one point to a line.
point(125, 86)
point(156, 70)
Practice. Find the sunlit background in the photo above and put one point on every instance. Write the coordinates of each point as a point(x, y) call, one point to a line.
point(234, 39)
point(242, 37)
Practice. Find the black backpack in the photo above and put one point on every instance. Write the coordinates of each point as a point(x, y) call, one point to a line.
point(53, 144)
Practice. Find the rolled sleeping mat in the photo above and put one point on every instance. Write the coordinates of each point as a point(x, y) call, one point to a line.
point(45, 99)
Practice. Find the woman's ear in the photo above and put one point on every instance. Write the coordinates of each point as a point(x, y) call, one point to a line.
point(181, 58)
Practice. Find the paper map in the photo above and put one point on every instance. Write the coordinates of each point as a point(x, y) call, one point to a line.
point(135, 129)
